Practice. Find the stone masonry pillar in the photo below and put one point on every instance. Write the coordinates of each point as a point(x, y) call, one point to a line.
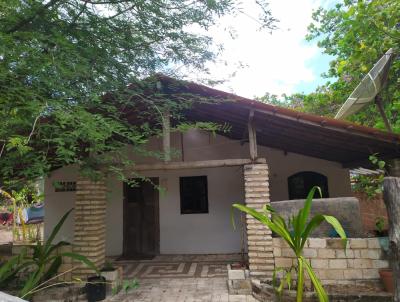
point(89, 229)
point(259, 239)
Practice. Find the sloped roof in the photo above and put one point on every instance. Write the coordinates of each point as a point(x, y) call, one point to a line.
point(286, 129)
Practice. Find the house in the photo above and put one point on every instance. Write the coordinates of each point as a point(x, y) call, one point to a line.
point(267, 154)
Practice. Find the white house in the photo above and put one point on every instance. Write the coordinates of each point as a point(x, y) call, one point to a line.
point(268, 154)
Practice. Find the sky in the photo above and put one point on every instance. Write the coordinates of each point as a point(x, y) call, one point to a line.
point(256, 62)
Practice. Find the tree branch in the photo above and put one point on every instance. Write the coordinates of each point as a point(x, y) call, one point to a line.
point(25, 21)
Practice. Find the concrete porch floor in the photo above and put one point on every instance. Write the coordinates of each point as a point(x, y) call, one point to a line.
point(180, 278)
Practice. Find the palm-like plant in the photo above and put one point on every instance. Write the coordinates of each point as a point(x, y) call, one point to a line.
point(42, 265)
point(296, 233)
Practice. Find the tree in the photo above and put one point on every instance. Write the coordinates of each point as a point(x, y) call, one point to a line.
point(59, 59)
point(356, 33)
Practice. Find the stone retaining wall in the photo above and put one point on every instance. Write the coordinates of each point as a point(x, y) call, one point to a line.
point(361, 262)
point(345, 209)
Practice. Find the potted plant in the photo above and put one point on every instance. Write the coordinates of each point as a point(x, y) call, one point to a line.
point(386, 274)
point(95, 288)
point(113, 276)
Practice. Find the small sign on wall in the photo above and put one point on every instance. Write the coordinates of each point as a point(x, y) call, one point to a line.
point(64, 186)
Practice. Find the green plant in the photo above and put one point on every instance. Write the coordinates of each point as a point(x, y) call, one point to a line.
point(39, 264)
point(17, 201)
point(126, 286)
point(380, 224)
point(371, 184)
point(296, 233)
point(280, 283)
point(108, 266)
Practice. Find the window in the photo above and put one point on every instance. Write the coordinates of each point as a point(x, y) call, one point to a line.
point(301, 183)
point(64, 186)
point(194, 195)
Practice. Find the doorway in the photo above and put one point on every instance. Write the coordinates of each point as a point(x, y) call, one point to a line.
point(141, 237)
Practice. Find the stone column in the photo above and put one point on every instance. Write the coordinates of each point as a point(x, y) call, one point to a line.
point(259, 239)
point(90, 228)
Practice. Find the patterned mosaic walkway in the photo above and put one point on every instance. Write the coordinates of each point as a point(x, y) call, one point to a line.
point(180, 278)
point(144, 270)
point(179, 266)
point(181, 290)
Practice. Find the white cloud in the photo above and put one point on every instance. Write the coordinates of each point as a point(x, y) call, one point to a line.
point(275, 62)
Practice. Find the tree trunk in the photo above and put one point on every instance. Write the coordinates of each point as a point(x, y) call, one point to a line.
point(391, 197)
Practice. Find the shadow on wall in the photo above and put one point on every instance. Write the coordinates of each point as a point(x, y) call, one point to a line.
point(345, 209)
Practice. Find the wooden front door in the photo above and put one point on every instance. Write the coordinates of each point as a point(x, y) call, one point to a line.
point(141, 219)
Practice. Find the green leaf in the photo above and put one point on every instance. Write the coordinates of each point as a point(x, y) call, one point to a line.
point(56, 247)
point(305, 212)
point(82, 259)
point(338, 228)
point(278, 229)
point(32, 281)
point(311, 226)
point(322, 295)
point(300, 279)
point(55, 231)
point(53, 269)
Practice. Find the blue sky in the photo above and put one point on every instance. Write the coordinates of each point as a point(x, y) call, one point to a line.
point(318, 64)
point(256, 62)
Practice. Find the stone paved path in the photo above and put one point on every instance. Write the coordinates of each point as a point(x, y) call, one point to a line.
point(181, 290)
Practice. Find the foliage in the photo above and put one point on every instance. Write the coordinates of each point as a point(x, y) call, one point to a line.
point(356, 33)
point(380, 224)
point(59, 59)
point(108, 266)
point(371, 184)
point(295, 233)
point(39, 263)
point(19, 200)
point(285, 280)
point(126, 286)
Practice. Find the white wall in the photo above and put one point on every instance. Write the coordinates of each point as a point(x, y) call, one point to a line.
point(58, 203)
point(200, 233)
point(197, 233)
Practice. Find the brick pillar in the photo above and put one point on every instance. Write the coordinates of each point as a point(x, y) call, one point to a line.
point(259, 239)
point(89, 232)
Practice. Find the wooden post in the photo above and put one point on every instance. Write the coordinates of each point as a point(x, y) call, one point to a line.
point(391, 197)
point(252, 136)
point(166, 124)
point(393, 167)
point(379, 104)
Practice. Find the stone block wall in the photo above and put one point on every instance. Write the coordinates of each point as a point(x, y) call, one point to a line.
point(361, 262)
point(90, 227)
point(259, 238)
